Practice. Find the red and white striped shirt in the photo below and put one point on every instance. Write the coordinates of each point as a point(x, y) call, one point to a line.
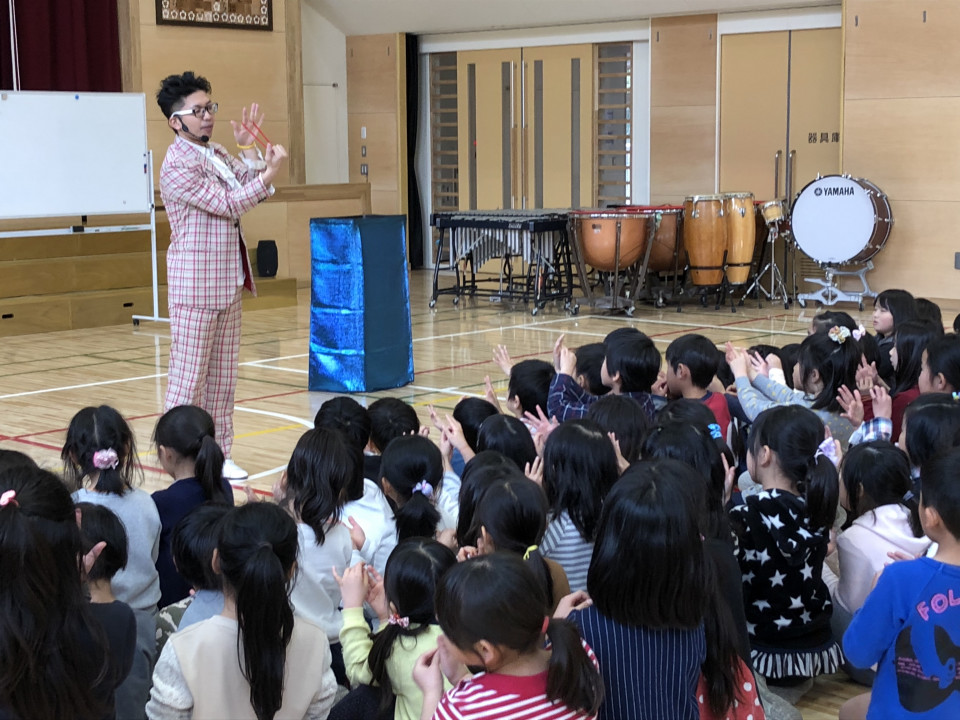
point(491, 695)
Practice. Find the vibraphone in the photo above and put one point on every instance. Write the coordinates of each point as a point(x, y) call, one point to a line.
point(536, 240)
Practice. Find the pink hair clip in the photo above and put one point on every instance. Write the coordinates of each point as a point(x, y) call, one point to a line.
point(10, 496)
point(395, 619)
point(106, 459)
point(859, 333)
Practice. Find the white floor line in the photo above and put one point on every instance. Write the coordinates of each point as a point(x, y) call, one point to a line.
point(81, 386)
point(278, 367)
point(270, 413)
point(491, 329)
point(274, 359)
point(267, 473)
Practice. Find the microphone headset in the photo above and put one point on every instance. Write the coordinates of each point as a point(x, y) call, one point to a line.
point(202, 138)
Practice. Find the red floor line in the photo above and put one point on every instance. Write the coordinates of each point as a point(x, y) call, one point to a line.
point(480, 362)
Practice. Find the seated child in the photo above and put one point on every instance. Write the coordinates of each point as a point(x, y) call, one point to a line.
point(909, 624)
point(691, 367)
point(940, 365)
point(99, 525)
point(389, 418)
point(630, 367)
point(366, 507)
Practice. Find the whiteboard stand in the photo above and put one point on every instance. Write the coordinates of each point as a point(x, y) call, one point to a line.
point(153, 254)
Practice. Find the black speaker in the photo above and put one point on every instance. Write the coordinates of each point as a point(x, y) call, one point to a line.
point(267, 258)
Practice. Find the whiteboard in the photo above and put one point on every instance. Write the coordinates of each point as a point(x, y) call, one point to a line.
point(70, 154)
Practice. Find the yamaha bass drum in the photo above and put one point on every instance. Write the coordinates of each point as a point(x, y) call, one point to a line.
point(840, 220)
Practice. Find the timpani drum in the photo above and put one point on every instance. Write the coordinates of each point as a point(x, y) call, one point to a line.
point(839, 219)
point(740, 219)
point(667, 241)
point(596, 232)
point(705, 238)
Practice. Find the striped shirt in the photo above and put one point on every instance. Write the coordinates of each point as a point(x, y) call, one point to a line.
point(647, 674)
point(486, 696)
point(563, 544)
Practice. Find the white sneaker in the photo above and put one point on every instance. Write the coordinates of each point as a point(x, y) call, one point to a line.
point(233, 472)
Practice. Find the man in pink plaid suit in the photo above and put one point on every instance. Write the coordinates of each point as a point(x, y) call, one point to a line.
point(205, 191)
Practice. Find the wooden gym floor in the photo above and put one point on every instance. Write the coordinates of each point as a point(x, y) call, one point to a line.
point(46, 378)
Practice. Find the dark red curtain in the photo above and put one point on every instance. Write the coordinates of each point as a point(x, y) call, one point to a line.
point(63, 45)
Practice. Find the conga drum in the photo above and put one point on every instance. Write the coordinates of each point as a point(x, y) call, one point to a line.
point(595, 232)
point(740, 219)
point(705, 238)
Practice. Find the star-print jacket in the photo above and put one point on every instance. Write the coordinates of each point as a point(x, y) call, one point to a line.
point(781, 560)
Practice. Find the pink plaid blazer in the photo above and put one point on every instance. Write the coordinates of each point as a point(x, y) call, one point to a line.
point(207, 251)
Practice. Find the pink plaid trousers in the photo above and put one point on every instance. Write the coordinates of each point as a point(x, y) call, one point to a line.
point(204, 352)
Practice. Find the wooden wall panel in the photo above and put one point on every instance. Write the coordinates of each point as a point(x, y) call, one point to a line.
point(376, 92)
point(918, 255)
point(901, 107)
point(753, 112)
point(907, 146)
point(893, 53)
point(683, 61)
point(682, 153)
point(683, 106)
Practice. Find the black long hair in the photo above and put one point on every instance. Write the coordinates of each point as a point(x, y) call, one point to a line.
point(652, 515)
point(497, 598)
point(943, 358)
point(899, 303)
point(481, 471)
point(794, 434)
point(95, 429)
point(410, 581)
point(835, 359)
point(625, 418)
point(910, 340)
point(321, 469)
point(414, 468)
point(188, 430)
point(192, 543)
point(257, 555)
point(932, 426)
point(470, 412)
point(882, 472)
point(514, 514)
point(579, 468)
point(53, 654)
point(691, 445)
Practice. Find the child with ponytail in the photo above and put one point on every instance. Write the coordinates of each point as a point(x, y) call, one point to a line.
point(256, 657)
point(403, 601)
point(411, 470)
point(827, 362)
point(883, 517)
point(512, 517)
point(493, 613)
point(782, 534)
point(100, 459)
point(188, 452)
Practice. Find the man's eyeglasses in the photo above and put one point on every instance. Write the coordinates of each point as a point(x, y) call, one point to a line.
point(198, 112)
